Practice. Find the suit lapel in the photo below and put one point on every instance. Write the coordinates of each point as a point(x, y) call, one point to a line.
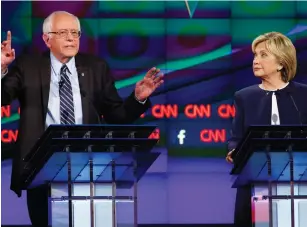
point(84, 75)
point(45, 74)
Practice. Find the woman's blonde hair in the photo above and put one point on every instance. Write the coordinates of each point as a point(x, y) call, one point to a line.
point(283, 49)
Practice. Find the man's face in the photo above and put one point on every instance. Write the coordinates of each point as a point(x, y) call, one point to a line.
point(63, 41)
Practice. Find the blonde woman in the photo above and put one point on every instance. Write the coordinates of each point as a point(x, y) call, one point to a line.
point(276, 100)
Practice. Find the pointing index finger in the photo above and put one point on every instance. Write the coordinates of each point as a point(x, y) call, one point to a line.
point(9, 39)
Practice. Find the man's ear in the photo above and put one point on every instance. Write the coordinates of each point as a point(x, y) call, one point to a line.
point(46, 39)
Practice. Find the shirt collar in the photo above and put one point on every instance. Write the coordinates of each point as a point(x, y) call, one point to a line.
point(284, 86)
point(57, 65)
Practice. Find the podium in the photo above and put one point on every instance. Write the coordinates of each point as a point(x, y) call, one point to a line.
point(92, 172)
point(272, 160)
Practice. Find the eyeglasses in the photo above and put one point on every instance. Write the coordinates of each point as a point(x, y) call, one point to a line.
point(64, 33)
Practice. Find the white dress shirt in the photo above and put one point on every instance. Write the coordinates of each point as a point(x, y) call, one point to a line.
point(53, 112)
point(275, 119)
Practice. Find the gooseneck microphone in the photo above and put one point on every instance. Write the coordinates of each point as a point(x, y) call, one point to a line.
point(289, 92)
point(84, 95)
point(298, 111)
point(278, 93)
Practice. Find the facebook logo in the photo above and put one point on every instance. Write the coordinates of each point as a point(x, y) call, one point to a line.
point(181, 136)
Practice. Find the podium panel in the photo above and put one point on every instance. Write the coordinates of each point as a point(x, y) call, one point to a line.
point(273, 160)
point(281, 207)
point(256, 168)
point(107, 212)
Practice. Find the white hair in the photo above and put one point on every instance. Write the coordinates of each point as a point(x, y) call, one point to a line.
point(47, 25)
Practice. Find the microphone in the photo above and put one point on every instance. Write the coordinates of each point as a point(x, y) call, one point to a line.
point(299, 113)
point(83, 94)
point(277, 92)
point(269, 92)
point(61, 82)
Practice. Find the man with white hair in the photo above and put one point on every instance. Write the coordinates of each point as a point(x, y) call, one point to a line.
point(51, 89)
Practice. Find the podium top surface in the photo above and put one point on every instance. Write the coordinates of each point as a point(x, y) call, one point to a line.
point(142, 131)
point(61, 134)
point(274, 131)
point(271, 131)
point(273, 137)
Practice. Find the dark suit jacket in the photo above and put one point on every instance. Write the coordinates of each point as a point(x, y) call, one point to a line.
point(28, 81)
point(253, 107)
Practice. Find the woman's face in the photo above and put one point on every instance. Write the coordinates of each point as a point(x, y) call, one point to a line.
point(265, 64)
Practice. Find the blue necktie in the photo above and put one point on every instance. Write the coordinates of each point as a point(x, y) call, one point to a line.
point(66, 98)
